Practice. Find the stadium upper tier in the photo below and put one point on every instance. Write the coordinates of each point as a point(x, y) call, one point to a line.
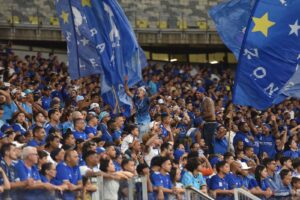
point(152, 14)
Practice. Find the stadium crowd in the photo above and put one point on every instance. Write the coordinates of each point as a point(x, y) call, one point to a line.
point(57, 133)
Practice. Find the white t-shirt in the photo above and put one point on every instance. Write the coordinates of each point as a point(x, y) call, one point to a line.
point(110, 189)
point(126, 141)
point(152, 153)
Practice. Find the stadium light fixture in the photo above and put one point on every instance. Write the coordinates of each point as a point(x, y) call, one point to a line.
point(173, 60)
point(214, 62)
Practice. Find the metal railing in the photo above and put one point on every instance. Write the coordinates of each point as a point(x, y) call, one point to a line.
point(137, 188)
point(192, 193)
point(241, 194)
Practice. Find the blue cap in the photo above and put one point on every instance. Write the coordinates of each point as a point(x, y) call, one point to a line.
point(100, 150)
point(102, 115)
point(201, 90)
point(267, 125)
point(178, 153)
point(214, 161)
point(5, 127)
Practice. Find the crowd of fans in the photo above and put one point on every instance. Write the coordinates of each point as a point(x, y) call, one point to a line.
point(57, 134)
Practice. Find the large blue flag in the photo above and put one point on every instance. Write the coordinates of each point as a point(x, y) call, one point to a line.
point(269, 62)
point(231, 19)
point(106, 42)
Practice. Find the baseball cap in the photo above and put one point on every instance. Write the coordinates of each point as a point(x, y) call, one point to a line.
point(79, 98)
point(102, 115)
point(245, 166)
point(28, 91)
point(161, 101)
point(201, 90)
point(94, 105)
point(178, 153)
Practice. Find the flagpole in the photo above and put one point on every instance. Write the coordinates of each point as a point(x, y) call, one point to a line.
point(116, 98)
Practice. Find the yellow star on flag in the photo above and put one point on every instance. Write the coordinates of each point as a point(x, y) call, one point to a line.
point(86, 3)
point(262, 24)
point(65, 17)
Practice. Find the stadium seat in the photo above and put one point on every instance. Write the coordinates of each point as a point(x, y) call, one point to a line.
point(54, 21)
point(142, 23)
point(202, 25)
point(162, 25)
point(14, 20)
point(181, 24)
point(33, 20)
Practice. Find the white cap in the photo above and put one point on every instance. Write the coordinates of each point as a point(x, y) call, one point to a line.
point(245, 166)
point(18, 145)
point(79, 98)
point(23, 95)
point(94, 105)
point(161, 101)
point(151, 124)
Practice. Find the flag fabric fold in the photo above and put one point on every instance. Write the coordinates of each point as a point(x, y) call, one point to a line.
point(106, 45)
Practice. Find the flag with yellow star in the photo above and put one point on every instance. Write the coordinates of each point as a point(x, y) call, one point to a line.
point(100, 41)
point(270, 55)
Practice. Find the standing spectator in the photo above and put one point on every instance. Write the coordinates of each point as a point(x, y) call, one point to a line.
point(209, 116)
point(128, 140)
point(220, 141)
point(38, 138)
point(91, 127)
point(284, 188)
point(104, 117)
point(54, 117)
point(141, 103)
point(79, 126)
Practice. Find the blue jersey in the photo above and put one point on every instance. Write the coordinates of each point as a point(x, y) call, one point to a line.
point(89, 129)
point(189, 179)
point(35, 143)
point(267, 145)
point(234, 181)
point(142, 109)
point(220, 146)
point(11, 175)
point(163, 181)
point(80, 135)
point(19, 128)
point(243, 137)
point(46, 102)
point(291, 154)
point(217, 183)
point(105, 134)
point(67, 173)
point(23, 173)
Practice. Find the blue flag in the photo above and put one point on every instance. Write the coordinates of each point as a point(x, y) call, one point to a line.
point(231, 19)
point(270, 57)
point(113, 48)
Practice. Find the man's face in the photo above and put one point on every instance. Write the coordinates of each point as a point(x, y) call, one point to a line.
point(13, 153)
point(130, 167)
point(41, 134)
point(41, 118)
point(287, 179)
point(74, 158)
point(167, 165)
point(111, 152)
point(33, 156)
point(55, 143)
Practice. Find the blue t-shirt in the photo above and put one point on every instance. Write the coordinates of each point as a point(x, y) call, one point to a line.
point(67, 173)
point(23, 173)
point(116, 135)
point(89, 129)
point(8, 111)
point(243, 137)
point(35, 143)
point(234, 181)
point(46, 102)
point(220, 146)
point(164, 181)
point(189, 179)
point(217, 183)
point(142, 110)
point(291, 154)
point(19, 128)
point(105, 134)
point(267, 144)
point(80, 135)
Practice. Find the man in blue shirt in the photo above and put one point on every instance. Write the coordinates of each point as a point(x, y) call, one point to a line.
point(163, 180)
point(27, 172)
point(79, 126)
point(91, 128)
point(244, 135)
point(271, 168)
point(220, 142)
point(46, 99)
point(54, 116)
point(38, 137)
point(218, 183)
point(284, 189)
point(267, 141)
point(68, 172)
point(7, 105)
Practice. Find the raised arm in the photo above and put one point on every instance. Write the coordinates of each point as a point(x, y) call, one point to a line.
point(126, 87)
